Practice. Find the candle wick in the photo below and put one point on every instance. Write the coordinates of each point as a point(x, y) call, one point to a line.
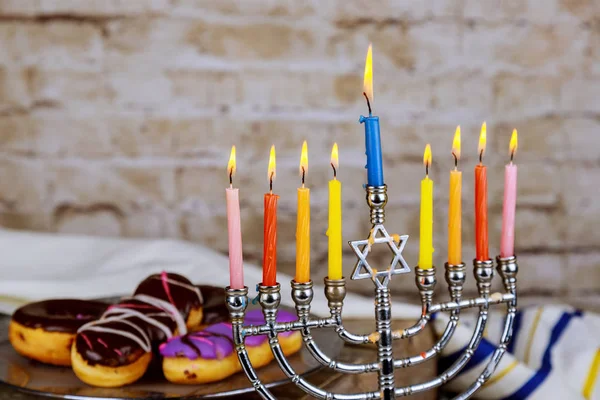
point(231, 178)
point(334, 171)
point(368, 103)
point(481, 157)
point(427, 169)
point(512, 156)
point(455, 160)
point(303, 175)
point(271, 183)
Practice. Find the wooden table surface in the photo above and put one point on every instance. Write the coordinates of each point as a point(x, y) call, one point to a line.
point(336, 382)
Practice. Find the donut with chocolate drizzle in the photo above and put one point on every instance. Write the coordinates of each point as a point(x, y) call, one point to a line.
point(128, 332)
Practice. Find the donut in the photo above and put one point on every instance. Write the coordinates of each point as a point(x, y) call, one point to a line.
point(44, 331)
point(208, 355)
point(214, 309)
point(116, 349)
point(178, 291)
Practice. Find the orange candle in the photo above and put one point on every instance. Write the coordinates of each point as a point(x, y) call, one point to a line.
point(455, 206)
point(270, 228)
point(481, 217)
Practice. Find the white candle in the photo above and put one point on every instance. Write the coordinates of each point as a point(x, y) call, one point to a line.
point(507, 244)
point(236, 269)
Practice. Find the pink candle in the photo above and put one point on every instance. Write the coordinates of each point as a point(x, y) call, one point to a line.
point(507, 244)
point(236, 270)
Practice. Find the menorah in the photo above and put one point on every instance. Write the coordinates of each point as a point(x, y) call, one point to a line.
point(269, 297)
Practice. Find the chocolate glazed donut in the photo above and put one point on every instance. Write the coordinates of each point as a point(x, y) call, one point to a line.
point(45, 330)
point(214, 308)
point(116, 349)
point(60, 315)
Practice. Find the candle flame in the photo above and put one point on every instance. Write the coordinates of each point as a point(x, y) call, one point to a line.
point(427, 156)
point(335, 159)
point(368, 79)
point(514, 143)
point(272, 169)
point(304, 159)
point(456, 143)
point(482, 140)
point(231, 165)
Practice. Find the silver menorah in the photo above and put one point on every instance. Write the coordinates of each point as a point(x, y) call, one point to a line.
point(269, 298)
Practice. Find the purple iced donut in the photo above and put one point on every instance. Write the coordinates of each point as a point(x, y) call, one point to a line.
point(216, 341)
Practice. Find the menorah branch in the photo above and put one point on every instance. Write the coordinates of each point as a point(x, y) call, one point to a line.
point(507, 268)
point(427, 286)
point(237, 301)
point(335, 291)
point(269, 298)
point(457, 366)
point(494, 298)
point(426, 281)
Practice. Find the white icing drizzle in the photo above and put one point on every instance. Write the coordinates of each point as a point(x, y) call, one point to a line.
point(168, 307)
point(128, 312)
point(124, 312)
point(143, 340)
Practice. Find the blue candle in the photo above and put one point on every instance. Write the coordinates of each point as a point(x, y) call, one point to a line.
point(372, 138)
point(373, 145)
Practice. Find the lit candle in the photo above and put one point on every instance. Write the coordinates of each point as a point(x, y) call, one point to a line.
point(334, 231)
point(236, 270)
point(455, 207)
point(270, 228)
point(507, 244)
point(372, 136)
point(481, 212)
point(426, 223)
point(303, 223)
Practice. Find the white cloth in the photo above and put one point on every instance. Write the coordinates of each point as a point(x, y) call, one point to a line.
point(554, 354)
point(37, 266)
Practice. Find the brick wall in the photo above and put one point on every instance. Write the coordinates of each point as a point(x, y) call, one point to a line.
point(117, 116)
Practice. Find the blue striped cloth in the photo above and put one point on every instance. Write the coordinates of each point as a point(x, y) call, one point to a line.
point(554, 354)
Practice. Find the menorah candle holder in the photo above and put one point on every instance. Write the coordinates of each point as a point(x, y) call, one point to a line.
point(269, 297)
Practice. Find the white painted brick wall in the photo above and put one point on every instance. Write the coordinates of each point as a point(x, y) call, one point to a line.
point(116, 118)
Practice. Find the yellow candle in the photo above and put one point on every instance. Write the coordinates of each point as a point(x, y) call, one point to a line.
point(334, 231)
point(455, 207)
point(426, 223)
point(303, 224)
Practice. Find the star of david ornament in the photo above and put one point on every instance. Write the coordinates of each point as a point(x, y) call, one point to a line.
point(362, 248)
